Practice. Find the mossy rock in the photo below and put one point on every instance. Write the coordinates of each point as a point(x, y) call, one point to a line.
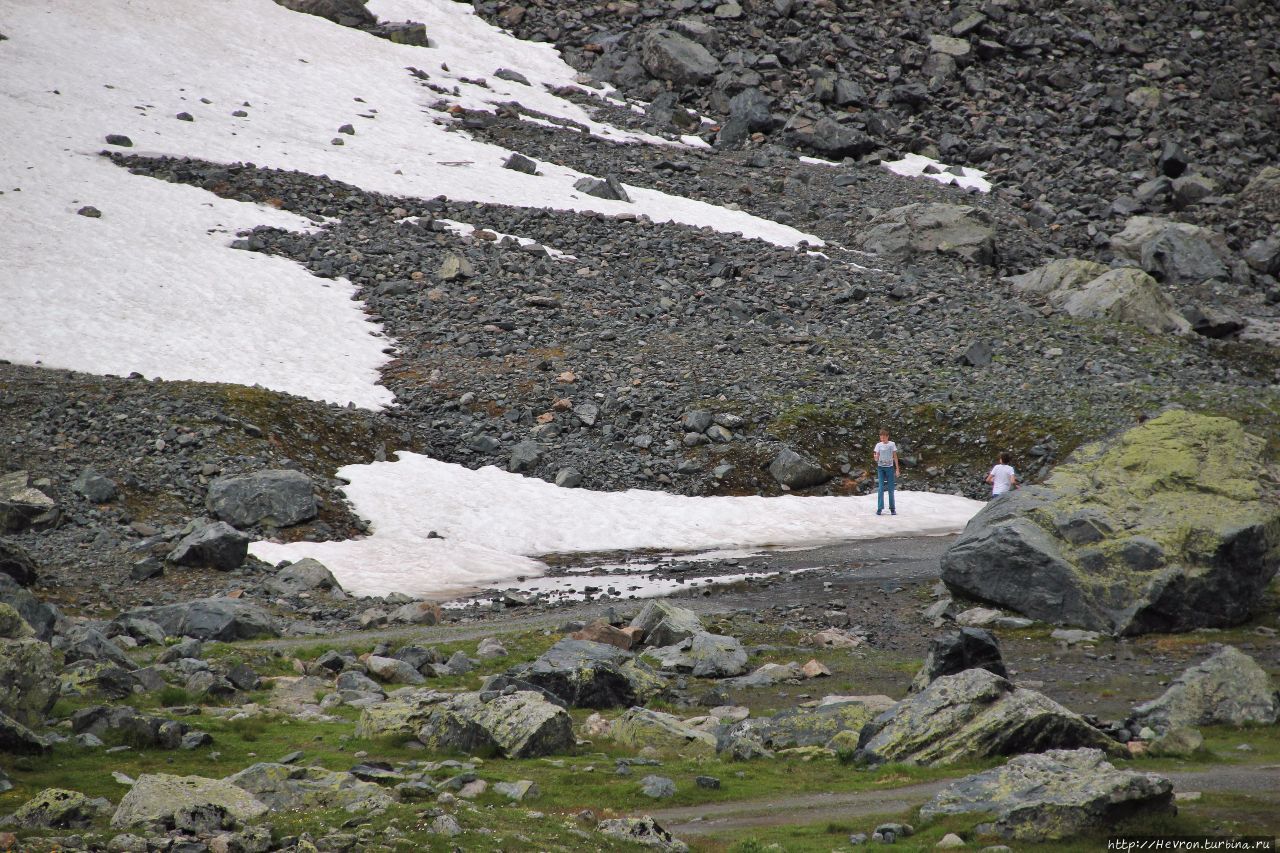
point(155, 797)
point(1165, 527)
point(57, 808)
point(28, 680)
point(641, 727)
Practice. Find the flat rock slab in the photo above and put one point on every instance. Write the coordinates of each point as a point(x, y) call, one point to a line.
point(155, 797)
point(1054, 796)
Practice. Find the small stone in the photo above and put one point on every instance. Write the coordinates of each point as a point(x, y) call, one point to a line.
point(90, 211)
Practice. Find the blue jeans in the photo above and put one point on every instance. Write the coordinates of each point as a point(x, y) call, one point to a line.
point(884, 482)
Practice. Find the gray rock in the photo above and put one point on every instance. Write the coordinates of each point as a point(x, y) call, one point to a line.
point(518, 791)
point(1125, 295)
point(16, 563)
point(1063, 274)
point(285, 786)
point(657, 787)
point(609, 188)
point(832, 724)
point(211, 619)
point(662, 623)
point(17, 739)
point(306, 575)
point(155, 798)
point(348, 13)
point(145, 631)
point(795, 471)
point(520, 163)
point(956, 651)
point(455, 266)
point(1214, 321)
point(977, 354)
point(393, 671)
point(40, 616)
point(217, 545)
point(94, 487)
point(88, 644)
point(1012, 553)
point(642, 830)
point(641, 727)
point(754, 109)
point(670, 56)
point(1263, 256)
point(525, 456)
point(1058, 795)
point(584, 674)
point(975, 714)
point(1229, 688)
point(28, 676)
point(949, 229)
point(56, 808)
point(517, 725)
point(1174, 252)
point(568, 478)
point(277, 498)
point(703, 655)
point(23, 507)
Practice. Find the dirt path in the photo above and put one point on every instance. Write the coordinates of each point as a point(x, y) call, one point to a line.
point(1258, 780)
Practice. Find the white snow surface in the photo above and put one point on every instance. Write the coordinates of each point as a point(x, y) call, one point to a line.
point(152, 285)
point(494, 523)
point(914, 165)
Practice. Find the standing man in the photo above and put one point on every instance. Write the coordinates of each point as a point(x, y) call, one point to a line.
point(886, 457)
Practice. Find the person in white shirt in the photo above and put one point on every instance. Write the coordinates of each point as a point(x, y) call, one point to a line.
point(886, 459)
point(1002, 477)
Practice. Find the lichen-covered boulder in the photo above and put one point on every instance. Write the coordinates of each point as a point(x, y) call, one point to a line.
point(1227, 689)
point(517, 725)
point(975, 714)
point(703, 655)
point(662, 623)
point(285, 786)
point(17, 563)
point(825, 725)
point(12, 625)
point(641, 727)
point(1165, 527)
point(303, 576)
point(1053, 796)
point(40, 616)
point(402, 716)
point(277, 498)
point(23, 506)
point(934, 228)
point(28, 679)
point(1176, 252)
point(57, 808)
point(584, 674)
point(1059, 274)
point(956, 651)
point(155, 797)
point(1123, 295)
point(644, 831)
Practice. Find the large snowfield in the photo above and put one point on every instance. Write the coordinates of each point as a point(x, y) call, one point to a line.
point(152, 286)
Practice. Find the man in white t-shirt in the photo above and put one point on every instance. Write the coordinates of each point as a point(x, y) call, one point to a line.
point(1002, 477)
point(886, 459)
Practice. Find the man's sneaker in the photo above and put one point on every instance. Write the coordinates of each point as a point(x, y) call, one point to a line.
point(893, 512)
point(879, 512)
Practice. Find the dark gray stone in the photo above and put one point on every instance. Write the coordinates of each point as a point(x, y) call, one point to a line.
point(217, 545)
point(277, 498)
point(16, 563)
point(795, 471)
point(211, 619)
point(956, 651)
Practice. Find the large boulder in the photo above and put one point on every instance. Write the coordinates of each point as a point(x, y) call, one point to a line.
point(584, 674)
point(1056, 275)
point(217, 545)
point(56, 808)
point(40, 616)
point(126, 725)
point(1124, 295)
point(22, 506)
point(1263, 192)
point(662, 623)
point(915, 229)
point(1174, 252)
point(17, 563)
point(88, 644)
point(285, 786)
point(211, 619)
point(17, 739)
point(277, 498)
point(1162, 528)
point(975, 714)
point(516, 725)
point(348, 13)
point(670, 56)
point(794, 471)
point(641, 727)
point(831, 724)
point(828, 138)
point(1089, 291)
point(643, 831)
point(401, 716)
point(956, 651)
point(155, 797)
point(305, 575)
point(703, 655)
point(1227, 689)
point(1054, 796)
point(28, 679)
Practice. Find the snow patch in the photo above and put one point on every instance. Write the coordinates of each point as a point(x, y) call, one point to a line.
point(916, 166)
point(493, 523)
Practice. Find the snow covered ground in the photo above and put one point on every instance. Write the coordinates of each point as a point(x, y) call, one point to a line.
point(493, 524)
point(920, 166)
point(152, 286)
